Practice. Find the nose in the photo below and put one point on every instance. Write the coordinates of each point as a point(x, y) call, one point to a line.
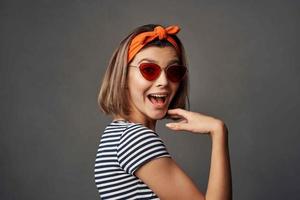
point(162, 80)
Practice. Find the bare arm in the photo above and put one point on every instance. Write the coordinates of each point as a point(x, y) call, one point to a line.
point(219, 183)
point(169, 181)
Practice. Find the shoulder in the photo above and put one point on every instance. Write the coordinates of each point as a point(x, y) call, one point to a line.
point(138, 145)
point(138, 134)
point(133, 129)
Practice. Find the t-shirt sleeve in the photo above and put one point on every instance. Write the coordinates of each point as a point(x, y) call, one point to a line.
point(138, 145)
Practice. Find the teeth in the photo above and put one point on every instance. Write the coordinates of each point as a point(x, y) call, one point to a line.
point(158, 95)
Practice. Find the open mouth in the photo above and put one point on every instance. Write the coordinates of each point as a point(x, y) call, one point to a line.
point(157, 99)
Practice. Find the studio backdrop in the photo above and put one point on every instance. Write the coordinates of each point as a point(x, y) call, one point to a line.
point(244, 69)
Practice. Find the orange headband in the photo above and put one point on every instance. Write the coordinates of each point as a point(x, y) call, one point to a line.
point(144, 38)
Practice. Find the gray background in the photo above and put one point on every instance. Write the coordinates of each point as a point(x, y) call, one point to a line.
point(244, 66)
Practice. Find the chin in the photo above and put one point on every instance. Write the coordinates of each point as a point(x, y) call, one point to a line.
point(158, 115)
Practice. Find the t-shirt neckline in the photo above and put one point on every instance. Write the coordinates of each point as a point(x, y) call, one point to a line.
point(125, 121)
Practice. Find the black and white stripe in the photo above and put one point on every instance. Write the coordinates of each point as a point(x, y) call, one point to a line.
point(123, 148)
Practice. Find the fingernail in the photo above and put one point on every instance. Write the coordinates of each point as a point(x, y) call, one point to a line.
point(170, 125)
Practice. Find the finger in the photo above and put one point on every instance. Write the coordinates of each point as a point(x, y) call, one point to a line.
point(179, 111)
point(177, 126)
point(183, 121)
point(174, 116)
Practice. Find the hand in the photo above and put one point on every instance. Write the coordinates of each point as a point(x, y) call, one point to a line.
point(194, 122)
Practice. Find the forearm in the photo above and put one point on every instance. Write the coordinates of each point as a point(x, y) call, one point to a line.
point(219, 183)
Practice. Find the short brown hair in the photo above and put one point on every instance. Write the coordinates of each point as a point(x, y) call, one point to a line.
point(113, 98)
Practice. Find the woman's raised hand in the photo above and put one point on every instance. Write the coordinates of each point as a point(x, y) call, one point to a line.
point(219, 182)
point(194, 122)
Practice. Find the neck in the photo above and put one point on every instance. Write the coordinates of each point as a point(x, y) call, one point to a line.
point(150, 124)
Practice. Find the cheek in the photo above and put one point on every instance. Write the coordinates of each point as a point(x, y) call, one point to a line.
point(137, 86)
point(174, 87)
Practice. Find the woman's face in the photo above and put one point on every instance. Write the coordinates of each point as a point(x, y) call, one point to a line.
point(149, 100)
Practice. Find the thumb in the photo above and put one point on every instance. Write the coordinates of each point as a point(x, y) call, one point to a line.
point(177, 126)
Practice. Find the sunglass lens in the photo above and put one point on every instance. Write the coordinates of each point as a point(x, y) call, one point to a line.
point(176, 72)
point(150, 71)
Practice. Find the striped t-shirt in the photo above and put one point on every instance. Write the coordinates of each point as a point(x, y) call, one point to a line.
point(123, 148)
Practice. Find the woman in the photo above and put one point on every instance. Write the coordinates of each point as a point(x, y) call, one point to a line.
point(147, 80)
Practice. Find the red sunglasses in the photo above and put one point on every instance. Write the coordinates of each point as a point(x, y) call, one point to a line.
point(151, 71)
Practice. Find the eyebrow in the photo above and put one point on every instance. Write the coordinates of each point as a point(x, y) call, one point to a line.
point(154, 61)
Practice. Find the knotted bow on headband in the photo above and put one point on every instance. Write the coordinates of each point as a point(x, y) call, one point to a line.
point(144, 38)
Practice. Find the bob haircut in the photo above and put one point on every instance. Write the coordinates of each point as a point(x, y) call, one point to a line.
point(113, 98)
